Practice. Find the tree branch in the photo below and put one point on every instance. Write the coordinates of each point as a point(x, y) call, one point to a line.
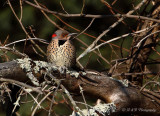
point(93, 84)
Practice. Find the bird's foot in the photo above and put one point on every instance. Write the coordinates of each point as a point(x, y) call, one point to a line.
point(62, 69)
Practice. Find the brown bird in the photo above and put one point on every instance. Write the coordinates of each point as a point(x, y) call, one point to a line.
point(61, 51)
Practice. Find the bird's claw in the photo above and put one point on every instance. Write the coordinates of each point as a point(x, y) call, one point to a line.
point(62, 69)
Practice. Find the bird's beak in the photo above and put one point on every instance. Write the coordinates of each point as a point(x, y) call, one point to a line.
point(71, 35)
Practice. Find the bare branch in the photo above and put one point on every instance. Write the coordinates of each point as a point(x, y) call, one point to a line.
point(14, 51)
point(111, 27)
point(21, 84)
point(98, 16)
point(96, 84)
point(24, 28)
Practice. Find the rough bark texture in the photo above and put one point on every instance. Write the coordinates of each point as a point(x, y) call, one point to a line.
point(140, 50)
point(94, 84)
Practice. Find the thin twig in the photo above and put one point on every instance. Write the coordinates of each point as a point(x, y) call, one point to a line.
point(36, 98)
point(98, 54)
point(25, 29)
point(63, 7)
point(130, 74)
point(54, 23)
point(83, 7)
point(40, 103)
point(14, 51)
point(17, 101)
point(157, 83)
point(74, 28)
point(18, 19)
point(86, 27)
point(81, 91)
point(106, 31)
point(21, 84)
point(20, 2)
point(113, 51)
point(113, 10)
point(94, 52)
point(84, 104)
point(122, 36)
point(139, 43)
point(99, 16)
point(68, 94)
point(6, 40)
point(38, 39)
point(54, 94)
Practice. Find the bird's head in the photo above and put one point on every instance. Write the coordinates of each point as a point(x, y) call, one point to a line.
point(63, 35)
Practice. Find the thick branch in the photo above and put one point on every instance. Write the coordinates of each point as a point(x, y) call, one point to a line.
point(93, 83)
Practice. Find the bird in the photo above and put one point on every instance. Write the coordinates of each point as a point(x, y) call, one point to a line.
point(61, 51)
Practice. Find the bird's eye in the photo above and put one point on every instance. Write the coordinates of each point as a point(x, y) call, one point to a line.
point(63, 35)
point(54, 35)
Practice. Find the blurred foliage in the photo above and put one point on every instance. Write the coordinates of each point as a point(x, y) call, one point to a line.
point(9, 26)
point(44, 29)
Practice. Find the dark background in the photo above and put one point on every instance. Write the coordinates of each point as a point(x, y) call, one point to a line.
point(9, 26)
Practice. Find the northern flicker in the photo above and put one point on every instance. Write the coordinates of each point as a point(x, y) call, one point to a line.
point(61, 51)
